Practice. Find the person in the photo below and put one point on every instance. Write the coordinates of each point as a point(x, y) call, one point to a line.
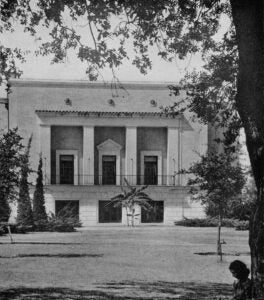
point(242, 285)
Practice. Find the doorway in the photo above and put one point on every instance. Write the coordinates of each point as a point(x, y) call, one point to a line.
point(66, 169)
point(109, 169)
point(151, 170)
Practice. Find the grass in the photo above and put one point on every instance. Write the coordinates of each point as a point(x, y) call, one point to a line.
point(127, 290)
point(120, 263)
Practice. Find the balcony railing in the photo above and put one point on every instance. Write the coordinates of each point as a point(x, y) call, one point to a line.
point(160, 180)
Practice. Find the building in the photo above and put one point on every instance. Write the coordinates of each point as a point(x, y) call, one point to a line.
point(93, 135)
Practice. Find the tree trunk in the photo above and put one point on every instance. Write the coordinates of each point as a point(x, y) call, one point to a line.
point(248, 17)
point(127, 217)
point(219, 244)
point(133, 216)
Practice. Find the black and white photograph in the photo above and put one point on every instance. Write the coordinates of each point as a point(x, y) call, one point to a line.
point(132, 149)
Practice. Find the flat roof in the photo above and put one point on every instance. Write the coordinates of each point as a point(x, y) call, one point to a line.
point(90, 84)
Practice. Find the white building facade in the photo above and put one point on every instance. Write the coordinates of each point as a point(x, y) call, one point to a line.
point(93, 135)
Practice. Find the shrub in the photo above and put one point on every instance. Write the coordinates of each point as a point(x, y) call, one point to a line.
point(56, 223)
point(239, 208)
point(17, 228)
point(196, 222)
point(39, 211)
point(24, 209)
point(213, 222)
point(243, 225)
point(68, 214)
point(65, 221)
point(2, 230)
point(41, 225)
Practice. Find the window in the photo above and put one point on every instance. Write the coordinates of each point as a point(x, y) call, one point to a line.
point(66, 169)
point(108, 213)
point(155, 215)
point(69, 208)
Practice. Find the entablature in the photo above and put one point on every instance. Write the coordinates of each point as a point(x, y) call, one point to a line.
point(120, 119)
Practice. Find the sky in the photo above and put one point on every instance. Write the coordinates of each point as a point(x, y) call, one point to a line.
point(39, 67)
point(72, 69)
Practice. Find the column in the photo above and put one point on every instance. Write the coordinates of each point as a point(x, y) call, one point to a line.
point(45, 149)
point(88, 155)
point(172, 156)
point(131, 155)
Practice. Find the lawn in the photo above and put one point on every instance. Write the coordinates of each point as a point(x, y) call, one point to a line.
point(120, 263)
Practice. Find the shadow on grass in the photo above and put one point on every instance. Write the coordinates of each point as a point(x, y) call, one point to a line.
point(228, 254)
point(41, 243)
point(126, 290)
point(63, 255)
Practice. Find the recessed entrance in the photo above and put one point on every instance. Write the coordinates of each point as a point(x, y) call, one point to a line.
point(155, 215)
point(66, 169)
point(109, 154)
point(108, 213)
point(151, 170)
point(151, 167)
point(109, 169)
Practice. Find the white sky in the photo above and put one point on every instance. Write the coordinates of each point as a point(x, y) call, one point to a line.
point(72, 69)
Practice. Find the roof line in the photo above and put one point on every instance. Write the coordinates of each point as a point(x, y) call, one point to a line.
point(89, 84)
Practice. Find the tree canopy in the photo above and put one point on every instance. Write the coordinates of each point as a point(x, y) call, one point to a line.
point(102, 34)
point(173, 27)
point(218, 180)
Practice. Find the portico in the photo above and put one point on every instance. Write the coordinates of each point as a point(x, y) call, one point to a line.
point(163, 161)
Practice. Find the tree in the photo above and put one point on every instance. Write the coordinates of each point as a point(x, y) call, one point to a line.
point(10, 163)
point(24, 209)
point(177, 28)
point(39, 211)
point(129, 199)
point(218, 180)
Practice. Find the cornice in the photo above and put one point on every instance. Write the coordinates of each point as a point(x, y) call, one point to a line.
point(99, 114)
point(90, 85)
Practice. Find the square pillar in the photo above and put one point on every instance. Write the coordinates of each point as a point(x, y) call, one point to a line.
point(172, 156)
point(131, 155)
point(45, 149)
point(88, 155)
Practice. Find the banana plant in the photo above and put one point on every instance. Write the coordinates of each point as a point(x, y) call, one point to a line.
point(129, 198)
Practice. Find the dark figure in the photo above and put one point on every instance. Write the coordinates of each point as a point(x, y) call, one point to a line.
point(243, 285)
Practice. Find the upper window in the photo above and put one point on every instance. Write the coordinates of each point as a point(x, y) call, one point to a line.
point(67, 169)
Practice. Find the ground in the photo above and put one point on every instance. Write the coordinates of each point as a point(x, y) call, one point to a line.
point(151, 262)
